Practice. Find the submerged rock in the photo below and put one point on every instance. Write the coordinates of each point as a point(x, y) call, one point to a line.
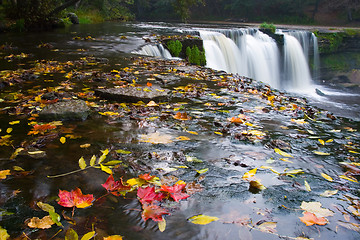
point(133, 94)
point(73, 110)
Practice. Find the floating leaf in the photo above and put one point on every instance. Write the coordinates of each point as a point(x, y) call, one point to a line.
point(149, 195)
point(236, 120)
point(352, 179)
point(17, 151)
point(201, 171)
point(45, 207)
point(315, 208)
point(299, 121)
point(282, 153)
point(4, 174)
point(92, 160)
point(43, 223)
point(349, 225)
point(321, 141)
point(307, 186)
point(86, 145)
point(115, 187)
point(310, 219)
point(218, 133)
point(105, 169)
point(295, 171)
point(268, 227)
point(182, 116)
point(62, 140)
point(122, 151)
point(162, 225)
point(82, 163)
point(321, 153)
point(257, 184)
point(113, 237)
point(327, 177)
point(3, 234)
point(329, 193)
point(183, 138)
point(75, 198)
point(192, 132)
point(14, 122)
point(71, 235)
point(249, 174)
point(9, 130)
point(88, 235)
point(202, 219)
point(175, 191)
point(152, 104)
point(154, 212)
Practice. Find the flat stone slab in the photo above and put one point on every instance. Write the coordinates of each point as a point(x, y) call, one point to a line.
point(133, 94)
point(73, 110)
point(167, 78)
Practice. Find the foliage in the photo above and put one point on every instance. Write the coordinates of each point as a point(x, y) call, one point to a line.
point(195, 56)
point(174, 47)
point(269, 26)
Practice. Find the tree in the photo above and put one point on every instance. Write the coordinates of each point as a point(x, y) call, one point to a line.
point(348, 5)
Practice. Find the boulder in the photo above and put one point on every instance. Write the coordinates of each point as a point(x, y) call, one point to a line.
point(167, 78)
point(73, 18)
point(73, 110)
point(133, 94)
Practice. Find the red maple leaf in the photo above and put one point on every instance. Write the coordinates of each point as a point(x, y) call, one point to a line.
point(115, 187)
point(311, 219)
point(154, 212)
point(75, 198)
point(175, 191)
point(148, 194)
point(146, 177)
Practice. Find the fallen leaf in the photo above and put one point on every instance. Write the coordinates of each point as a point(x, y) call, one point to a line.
point(88, 235)
point(75, 198)
point(310, 219)
point(154, 212)
point(282, 153)
point(268, 227)
point(149, 195)
point(113, 237)
point(183, 138)
point(329, 193)
point(202, 219)
point(315, 208)
point(349, 225)
point(43, 223)
point(4, 174)
point(122, 151)
point(45, 207)
point(352, 179)
point(82, 163)
point(257, 184)
point(86, 145)
point(201, 171)
point(115, 187)
point(3, 234)
point(249, 174)
point(175, 191)
point(321, 153)
point(162, 225)
point(307, 186)
point(62, 140)
point(156, 138)
point(182, 116)
point(327, 177)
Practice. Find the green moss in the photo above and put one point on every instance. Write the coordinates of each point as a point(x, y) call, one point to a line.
point(269, 26)
point(195, 56)
point(330, 42)
point(174, 47)
point(352, 32)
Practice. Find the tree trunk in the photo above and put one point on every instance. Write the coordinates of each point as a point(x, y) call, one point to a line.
point(349, 14)
point(316, 8)
point(62, 7)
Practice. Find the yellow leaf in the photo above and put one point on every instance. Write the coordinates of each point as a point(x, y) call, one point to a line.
point(86, 145)
point(218, 133)
point(329, 193)
point(249, 174)
point(295, 171)
point(3, 234)
point(62, 140)
point(329, 141)
point(88, 235)
point(183, 138)
point(202, 219)
point(122, 151)
point(268, 227)
point(286, 160)
point(321, 141)
point(327, 177)
point(282, 153)
point(92, 160)
point(14, 122)
point(113, 237)
point(4, 173)
point(192, 132)
point(135, 182)
point(17, 151)
point(257, 184)
point(9, 130)
point(307, 186)
point(299, 121)
point(105, 169)
point(352, 179)
point(202, 170)
point(82, 163)
point(321, 153)
point(43, 223)
point(162, 225)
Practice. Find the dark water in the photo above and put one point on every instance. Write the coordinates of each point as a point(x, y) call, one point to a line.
point(225, 194)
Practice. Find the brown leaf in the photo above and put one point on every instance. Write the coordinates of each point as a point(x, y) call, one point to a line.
point(43, 223)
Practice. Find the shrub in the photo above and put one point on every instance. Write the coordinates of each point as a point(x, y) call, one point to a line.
point(174, 47)
point(269, 26)
point(195, 56)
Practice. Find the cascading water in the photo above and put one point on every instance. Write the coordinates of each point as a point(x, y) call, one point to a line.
point(154, 51)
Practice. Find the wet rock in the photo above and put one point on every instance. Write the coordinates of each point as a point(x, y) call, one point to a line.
point(73, 110)
point(167, 79)
point(133, 94)
point(73, 18)
point(319, 92)
point(277, 143)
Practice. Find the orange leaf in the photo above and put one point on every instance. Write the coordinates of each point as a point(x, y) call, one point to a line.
point(43, 223)
point(113, 237)
point(149, 84)
point(235, 120)
point(311, 219)
point(75, 198)
point(182, 116)
point(4, 173)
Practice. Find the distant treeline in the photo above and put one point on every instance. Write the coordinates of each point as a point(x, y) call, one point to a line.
point(35, 12)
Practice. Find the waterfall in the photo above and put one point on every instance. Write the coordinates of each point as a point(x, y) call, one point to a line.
point(251, 53)
point(154, 51)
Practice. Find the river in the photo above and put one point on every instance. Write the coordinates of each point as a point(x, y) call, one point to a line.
point(236, 125)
